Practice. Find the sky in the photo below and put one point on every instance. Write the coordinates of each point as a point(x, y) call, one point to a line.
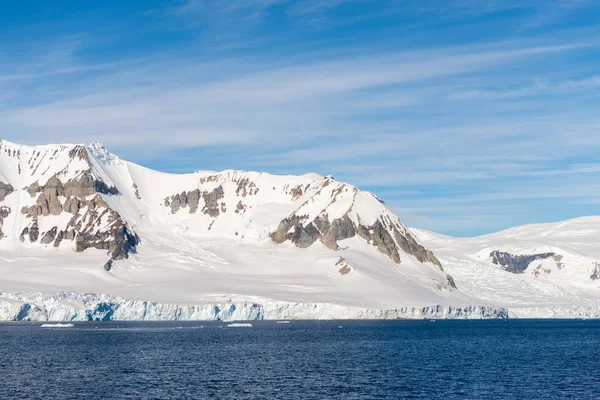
point(465, 117)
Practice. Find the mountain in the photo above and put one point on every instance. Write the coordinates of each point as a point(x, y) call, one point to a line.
point(536, 271)
point(86, 235)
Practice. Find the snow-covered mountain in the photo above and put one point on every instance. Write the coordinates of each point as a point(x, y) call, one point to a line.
point(543, 270)
point(80, 226)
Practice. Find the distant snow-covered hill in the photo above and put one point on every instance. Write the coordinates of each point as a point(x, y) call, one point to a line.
point(77, 224)
point(543, 270)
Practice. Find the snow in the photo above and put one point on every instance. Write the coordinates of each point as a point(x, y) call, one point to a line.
point(57, 326)
point(564, 289)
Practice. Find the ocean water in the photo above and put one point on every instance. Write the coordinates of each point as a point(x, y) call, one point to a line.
point(516, 359)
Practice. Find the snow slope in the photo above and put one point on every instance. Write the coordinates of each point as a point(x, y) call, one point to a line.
point(555, 267)
point(204, 240)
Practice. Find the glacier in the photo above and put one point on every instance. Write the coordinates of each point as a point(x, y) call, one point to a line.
point(92, 307)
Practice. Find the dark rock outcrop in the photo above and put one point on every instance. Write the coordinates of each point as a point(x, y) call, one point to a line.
point(211, 201)
point(517, 264)
point(4, 213)
point(338, 229)
point(33, 232)
point(83, 228)
point(193, 199)
point(384, 242)
point(49, 236)
point(409, 245)
point(292, 229)
point(136, 191)
point(596, 272)
point(118, 240)
point(246, 188)
point(5, 190)
point(450, 281)
point(295, 229)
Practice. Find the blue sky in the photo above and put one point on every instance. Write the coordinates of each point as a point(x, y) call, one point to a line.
point(465, 116)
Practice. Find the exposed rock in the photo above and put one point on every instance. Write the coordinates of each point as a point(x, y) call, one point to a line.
point(345, 269)
point(304, 236)
point(4, 213)
point(409, 245)
point(282, 233)
point(540, 270)
point(175, 204)
point(516, 264)
point(384, 242)
point(136, 191)
point(338, 229)
point(450, 281)
point(193, 199)
point(103, 188)
point(118, 240)
point(246, 187)
point(108, 265)
point(293, 229)
point(211, 201)
point(296, 192)
point(183, 200)
point(596, 272)
point(79, 153)
point(5, 190)
point(48, 203)
point(33, 232)
point(364, 233)
point(296, 230)
point(97, 227)
point(72, 205)
point(49, 236)
point(240, 208)
point(58, 239)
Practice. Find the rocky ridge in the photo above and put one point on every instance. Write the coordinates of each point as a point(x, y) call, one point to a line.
point(65, 202)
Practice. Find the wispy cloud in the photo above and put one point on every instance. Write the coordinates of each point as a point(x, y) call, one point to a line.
point(536, 89)
point(451, 131)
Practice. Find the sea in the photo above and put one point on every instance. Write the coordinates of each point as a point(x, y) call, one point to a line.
point(443, 359)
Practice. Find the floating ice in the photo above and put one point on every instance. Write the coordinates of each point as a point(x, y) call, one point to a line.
point(57, 326)
point(239, 325)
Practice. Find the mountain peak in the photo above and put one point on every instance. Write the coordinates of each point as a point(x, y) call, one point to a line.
point(84, 198)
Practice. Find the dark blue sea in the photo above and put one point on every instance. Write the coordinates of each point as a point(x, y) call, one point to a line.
point(515, 359)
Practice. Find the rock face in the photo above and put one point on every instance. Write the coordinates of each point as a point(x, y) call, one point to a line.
point(191, 199)
point(66, 194)
point(596, 272)
point(83, 200)
point(517, 264)
point(4, 213)
point(386, 233)
point(5, 190)
point(386, 236)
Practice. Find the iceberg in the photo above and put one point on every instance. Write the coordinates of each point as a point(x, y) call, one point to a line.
point(57, 326)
